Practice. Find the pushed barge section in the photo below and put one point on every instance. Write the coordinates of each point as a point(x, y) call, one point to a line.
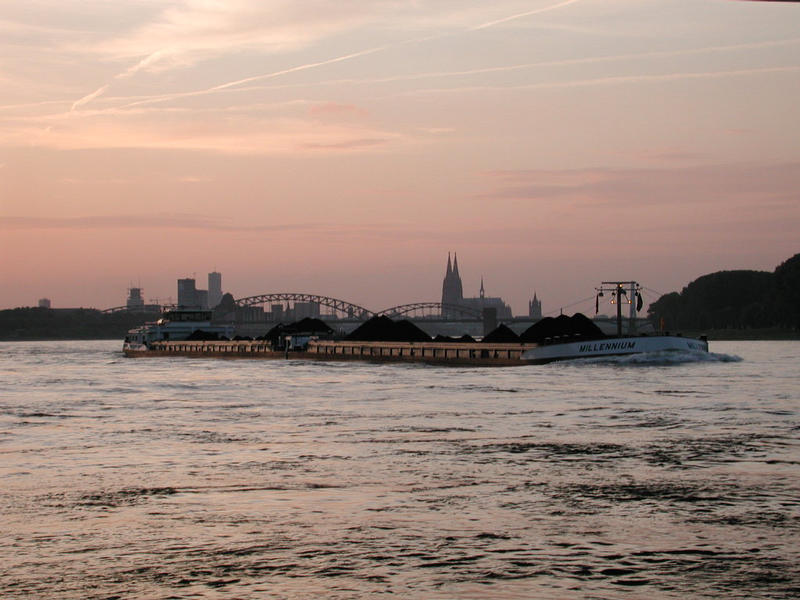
point(437, 353)
point(500, 355)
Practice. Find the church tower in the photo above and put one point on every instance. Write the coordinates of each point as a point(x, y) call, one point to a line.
point(458, 291)
point(535, 308)
point(452, 290)
point(448, 276)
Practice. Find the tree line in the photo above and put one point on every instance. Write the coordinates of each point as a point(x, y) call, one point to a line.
point(81, 323)
point(734, 300)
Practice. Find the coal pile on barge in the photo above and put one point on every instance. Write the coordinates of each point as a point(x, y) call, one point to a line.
point(306, 326)
point(501, 335)
point(562, 326)
point(383, 329)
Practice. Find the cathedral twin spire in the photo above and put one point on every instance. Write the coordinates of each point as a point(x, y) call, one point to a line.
point(452, 290)
point(453, 293)
point(452, 268)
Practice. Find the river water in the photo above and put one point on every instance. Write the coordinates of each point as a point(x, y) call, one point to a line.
point(202, 478)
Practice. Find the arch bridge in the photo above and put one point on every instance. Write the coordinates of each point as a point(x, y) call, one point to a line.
point(125, 308)
point(340, 308)
point(433, 310)
point(348, 310)
point(114, 309)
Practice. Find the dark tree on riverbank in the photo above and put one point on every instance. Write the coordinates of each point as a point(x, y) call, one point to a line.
point(734, 300)
point(787, 285)
point(67, 324)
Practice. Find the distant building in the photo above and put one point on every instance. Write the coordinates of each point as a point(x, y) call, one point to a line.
point(44, 302)
point(190, 296)
point(535, 308)
point(202, 298)
point(187, 294)
point(453, 295)
point(249, 314)
point(214, 289)
point(452, 290)
point(304, 310)
point(276, 312)
point(135, 301)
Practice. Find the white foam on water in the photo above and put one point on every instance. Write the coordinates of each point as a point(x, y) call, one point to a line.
point(661, 358)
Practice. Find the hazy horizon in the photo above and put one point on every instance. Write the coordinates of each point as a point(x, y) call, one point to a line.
point(343, 149)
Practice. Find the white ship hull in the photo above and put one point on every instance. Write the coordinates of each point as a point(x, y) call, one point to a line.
point(613, 347)
point(175, 325)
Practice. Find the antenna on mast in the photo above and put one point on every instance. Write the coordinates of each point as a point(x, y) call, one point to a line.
point(617, 291)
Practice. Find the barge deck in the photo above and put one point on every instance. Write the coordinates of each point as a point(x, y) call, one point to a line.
point(443, 353)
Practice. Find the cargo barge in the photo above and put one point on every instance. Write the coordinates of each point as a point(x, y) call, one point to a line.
point(193, 334)
point(500, 355)
point(434, 353)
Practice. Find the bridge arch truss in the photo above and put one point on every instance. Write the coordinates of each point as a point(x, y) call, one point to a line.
point(433, 310)
point(340, 308)
point(126, 309)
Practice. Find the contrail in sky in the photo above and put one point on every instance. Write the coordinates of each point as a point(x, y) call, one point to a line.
point(89, 97)
point(613, 80)
point(535, 11)
point(570, 61)
point(313, 65)
point(561, 62)
point(156, 55)
point(145, 62)
point(381, 48)
point(125, 74)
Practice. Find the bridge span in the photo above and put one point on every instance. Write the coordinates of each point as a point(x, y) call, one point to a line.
point(433, 310)
point(341, 309)
point(259, 311)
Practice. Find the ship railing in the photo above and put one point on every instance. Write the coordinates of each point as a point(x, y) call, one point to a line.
point(417, 350)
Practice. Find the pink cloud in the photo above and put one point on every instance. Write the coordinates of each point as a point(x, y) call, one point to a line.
point(355, 144)
point(334, 110)
point(724, 185)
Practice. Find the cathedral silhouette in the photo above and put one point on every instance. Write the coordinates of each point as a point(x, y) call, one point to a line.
point(453, 295)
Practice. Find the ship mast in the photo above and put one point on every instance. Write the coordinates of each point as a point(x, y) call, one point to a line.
point(617, 290)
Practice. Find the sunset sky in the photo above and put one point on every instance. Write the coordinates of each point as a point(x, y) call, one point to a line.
point(344, 148)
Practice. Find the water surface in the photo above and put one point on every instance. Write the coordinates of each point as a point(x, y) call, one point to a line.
point(204, 478)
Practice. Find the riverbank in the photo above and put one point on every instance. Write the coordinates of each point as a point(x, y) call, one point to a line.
point(765, 334)
point(44, 324)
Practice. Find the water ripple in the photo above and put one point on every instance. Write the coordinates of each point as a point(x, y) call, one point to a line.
point(248, 479)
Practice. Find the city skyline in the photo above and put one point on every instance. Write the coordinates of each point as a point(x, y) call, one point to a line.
point(344, 149)
point(186, 293)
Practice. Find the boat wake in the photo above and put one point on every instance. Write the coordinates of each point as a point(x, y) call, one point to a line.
point(656, 359)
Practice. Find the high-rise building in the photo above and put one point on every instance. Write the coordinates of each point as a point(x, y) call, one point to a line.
point(187, 293)
point(44, 302)
point(214, 289)
point(191, 297)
